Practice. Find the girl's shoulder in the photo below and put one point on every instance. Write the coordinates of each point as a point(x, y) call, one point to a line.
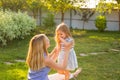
point(69, 39)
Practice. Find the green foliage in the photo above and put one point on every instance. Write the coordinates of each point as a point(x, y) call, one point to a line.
point(34, 6)
point(59, 6)
point(24, 24)
point(16, 74)
point(118, 1)
point(100, 22)
point(48, 21)
point(106, 7)
point(14, 25)
point(13, 5)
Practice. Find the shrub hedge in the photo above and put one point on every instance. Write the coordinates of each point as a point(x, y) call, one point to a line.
point(14, 25)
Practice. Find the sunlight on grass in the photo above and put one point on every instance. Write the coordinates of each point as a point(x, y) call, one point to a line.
point(102, 38)
point(78, 33)
point(17, 74)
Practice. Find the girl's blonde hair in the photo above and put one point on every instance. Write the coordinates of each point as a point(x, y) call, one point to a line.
point(64, 28)
point(37, 50)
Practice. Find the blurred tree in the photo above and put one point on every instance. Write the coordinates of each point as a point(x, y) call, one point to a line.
point(107, 7)
point(13, 5)
point(84, 12)
point(34, 6)
point(60, 6)
point(118, 4)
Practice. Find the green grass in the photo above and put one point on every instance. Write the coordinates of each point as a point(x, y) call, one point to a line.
point(103, 66)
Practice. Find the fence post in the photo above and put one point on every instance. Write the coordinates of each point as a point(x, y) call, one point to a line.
point(70, 18)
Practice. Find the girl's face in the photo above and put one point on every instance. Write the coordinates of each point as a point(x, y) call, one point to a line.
point(47, 42)
point(61, 34)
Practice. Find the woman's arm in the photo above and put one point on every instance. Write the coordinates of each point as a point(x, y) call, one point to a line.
point(65, 58)
point(67, 47)
point(50, 63)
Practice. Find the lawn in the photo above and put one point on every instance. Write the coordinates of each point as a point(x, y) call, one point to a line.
point(98, 54)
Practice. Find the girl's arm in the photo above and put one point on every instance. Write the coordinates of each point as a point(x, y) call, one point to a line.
point(52, 53)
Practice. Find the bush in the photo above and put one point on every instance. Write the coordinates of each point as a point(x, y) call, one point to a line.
point(48, 21)
point(14, 25)
point(24, 24)
point(100, 22)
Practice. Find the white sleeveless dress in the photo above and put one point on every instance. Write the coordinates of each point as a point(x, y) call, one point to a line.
point(72, 59)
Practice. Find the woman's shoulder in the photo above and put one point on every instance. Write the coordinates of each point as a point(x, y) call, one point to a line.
point(47, 60)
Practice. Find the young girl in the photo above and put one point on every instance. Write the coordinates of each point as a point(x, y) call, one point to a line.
point(38, 60)
point(63, 37)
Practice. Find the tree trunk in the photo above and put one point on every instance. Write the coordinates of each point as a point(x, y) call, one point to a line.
point(34, 14)
point(83, 25)
point(62, 16)
point(40, 14)
point(3, 5)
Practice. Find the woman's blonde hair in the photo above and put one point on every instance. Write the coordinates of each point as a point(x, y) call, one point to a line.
point(64, 28)
point(37, 50)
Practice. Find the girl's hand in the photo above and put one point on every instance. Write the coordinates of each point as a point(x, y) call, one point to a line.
point(62, 40)
point(54, 54)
